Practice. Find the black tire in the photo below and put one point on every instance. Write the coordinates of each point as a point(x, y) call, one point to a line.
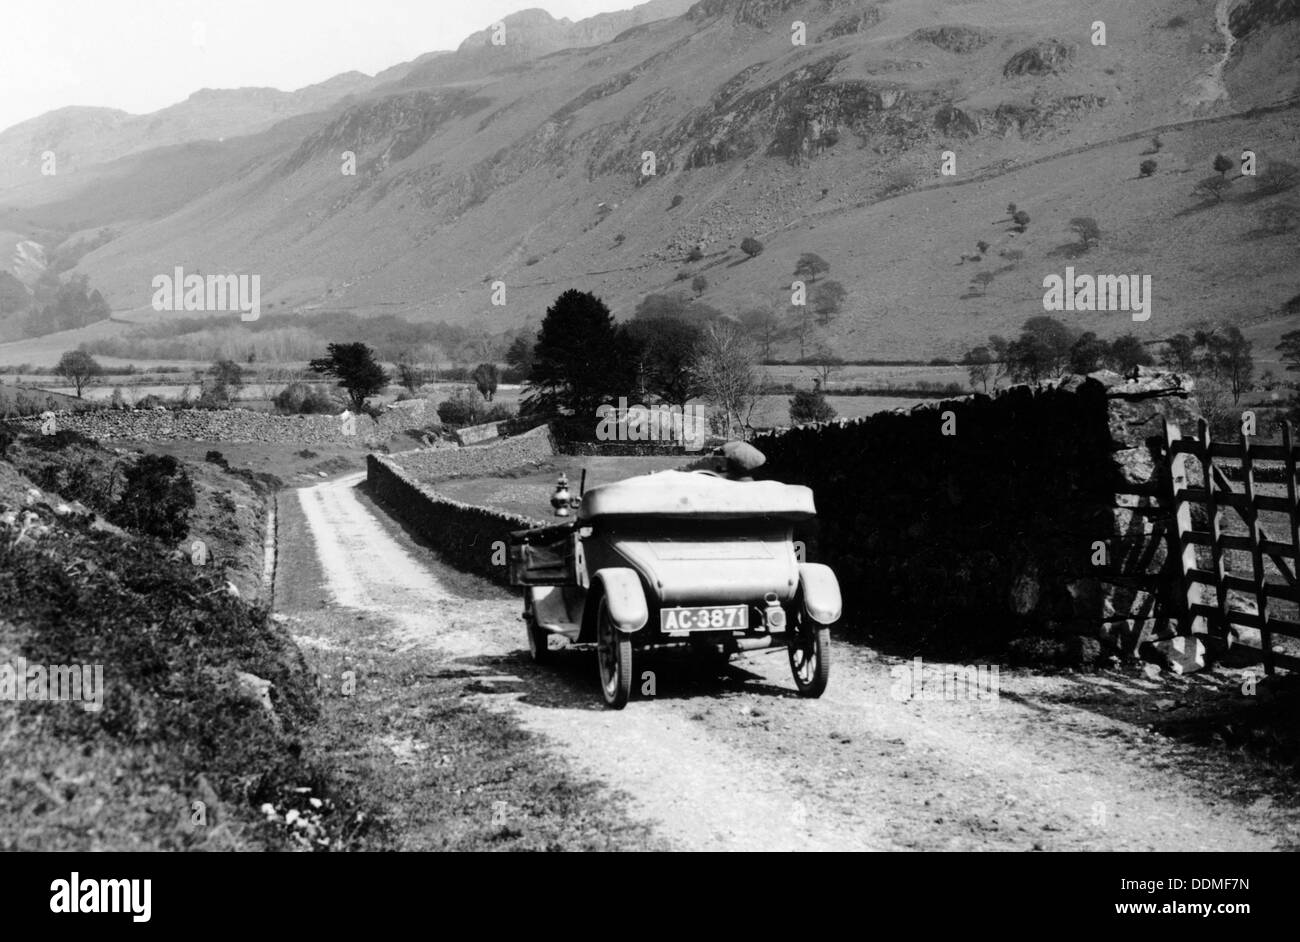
point(613, 660)
point(809, 648)
point(537, 638)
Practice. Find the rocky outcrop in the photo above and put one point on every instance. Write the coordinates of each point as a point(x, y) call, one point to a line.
point(1248, 16)
point(955, 39)
point(852, 24)
point(1047, 57)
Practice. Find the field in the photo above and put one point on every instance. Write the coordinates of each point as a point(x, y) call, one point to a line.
point(529, 492)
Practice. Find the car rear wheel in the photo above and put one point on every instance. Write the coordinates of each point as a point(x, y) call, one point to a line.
point(810, 656)
point(614, 656)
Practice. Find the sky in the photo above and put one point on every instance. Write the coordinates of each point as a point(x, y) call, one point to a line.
point(142, 55)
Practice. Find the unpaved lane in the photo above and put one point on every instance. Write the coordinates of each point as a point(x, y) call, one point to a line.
point(742, 763)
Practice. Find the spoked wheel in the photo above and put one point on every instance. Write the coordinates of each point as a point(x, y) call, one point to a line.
point(810, 656)
point(614, 655)
point(537, 638)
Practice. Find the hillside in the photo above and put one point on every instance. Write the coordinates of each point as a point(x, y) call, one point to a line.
point(523, 163)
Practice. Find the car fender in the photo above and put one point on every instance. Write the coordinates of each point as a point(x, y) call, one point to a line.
point(621, 589)
point(820, 591)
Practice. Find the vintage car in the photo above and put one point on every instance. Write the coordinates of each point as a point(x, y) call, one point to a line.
point(677, 558)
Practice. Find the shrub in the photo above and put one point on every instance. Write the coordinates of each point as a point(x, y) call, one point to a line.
point(461, 409)
point(1277, 176)
point(699, 284)
point(677, 201)
point(304, 399)
point(810, 406)
point(751, 246)
point(695, 254)
point(157, 498)
point(1147, 167)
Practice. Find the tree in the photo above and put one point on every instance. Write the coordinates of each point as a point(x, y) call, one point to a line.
point(1212, 188)
point(1227, 356)
point(751, 246)
point(801, 327)
point(765, 327)
point(580, 359)
point(1277, 176)
point(355, 367)
point(1147, 167)
point(485, 377)
point(695, 254)
point(811, 266)
point(1086, 228)
point(1041, 351)
point(1290, 349)
point(1126, 353)
point(826, 362)
point(726, 364)
point(662, 305)
point(1021, 219)
point(1179, 354)
point(979, 364)
point(999, 347)
point(79, 367)
point(827, 299)
point(460, 409)
point(1087, 353)
point(699, 284)
point(1222, 164)
point(409, 373)
point(981, 246)
point(668, 349)
point(519, 357)
point(810, 406)
point(227, 375)
point(983, 279)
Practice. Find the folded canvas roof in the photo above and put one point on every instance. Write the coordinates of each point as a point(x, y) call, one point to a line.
point(686, 494)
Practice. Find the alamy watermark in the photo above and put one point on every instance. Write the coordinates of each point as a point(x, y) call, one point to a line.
point(82, 683)
point(1100, 293)
point(917, 680)
point(181, 292)
point(683, 425)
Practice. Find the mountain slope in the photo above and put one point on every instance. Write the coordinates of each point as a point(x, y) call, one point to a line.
point(529, 170)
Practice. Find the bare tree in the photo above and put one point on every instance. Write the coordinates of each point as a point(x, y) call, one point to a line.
point(725, 364)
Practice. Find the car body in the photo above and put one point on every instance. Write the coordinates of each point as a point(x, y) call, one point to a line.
point(678, 558)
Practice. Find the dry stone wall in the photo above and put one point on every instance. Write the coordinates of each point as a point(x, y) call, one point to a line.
point(977, 520)
point(232, 425)
point(469, 537)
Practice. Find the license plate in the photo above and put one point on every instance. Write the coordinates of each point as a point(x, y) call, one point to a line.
point(711, 618)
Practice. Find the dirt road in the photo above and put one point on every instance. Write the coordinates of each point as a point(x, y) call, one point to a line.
point(742, 763)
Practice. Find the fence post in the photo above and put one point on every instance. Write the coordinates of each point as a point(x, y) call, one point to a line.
point(1182, 523)
point(1257, 552)
point(1214, 525)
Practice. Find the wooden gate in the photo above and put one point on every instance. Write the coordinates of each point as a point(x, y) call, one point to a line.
point(1244, 543)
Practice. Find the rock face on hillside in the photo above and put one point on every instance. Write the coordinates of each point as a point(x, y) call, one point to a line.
point(955, 39)
point(1047, 57)
point(1248, 16)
